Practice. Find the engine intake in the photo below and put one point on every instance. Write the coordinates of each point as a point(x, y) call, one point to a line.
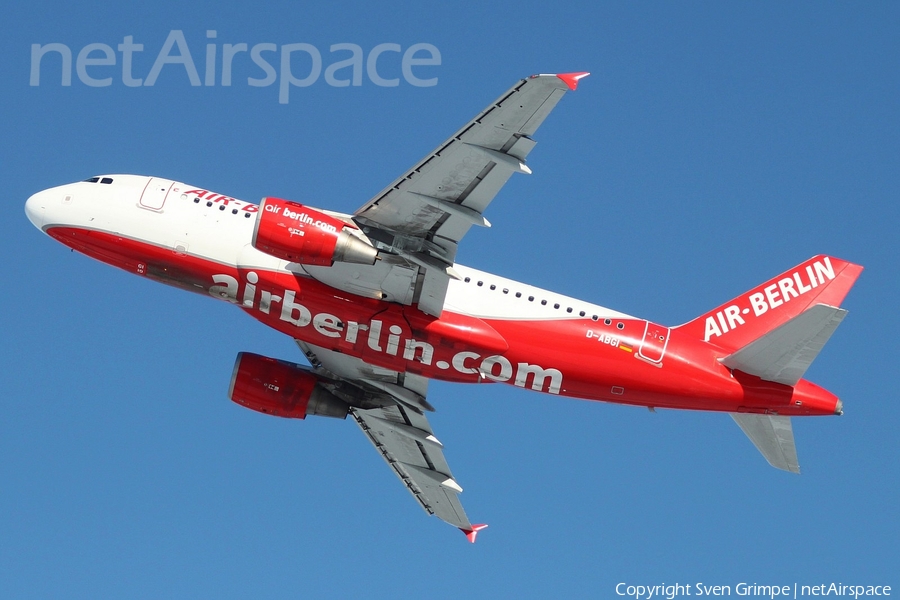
point(282, 389)
point(300, 234)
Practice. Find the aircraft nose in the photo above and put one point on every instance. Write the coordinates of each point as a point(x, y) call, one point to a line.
point(34, 209)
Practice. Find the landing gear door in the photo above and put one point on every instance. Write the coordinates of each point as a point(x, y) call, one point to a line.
point(653, 345)
point(155, 193)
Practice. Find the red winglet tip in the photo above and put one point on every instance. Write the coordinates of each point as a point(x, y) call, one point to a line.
point(472, 533)
point(571, 79)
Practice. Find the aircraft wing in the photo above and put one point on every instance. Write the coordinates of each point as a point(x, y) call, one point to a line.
point(390, 409)
point(424, 214)
point(405, 441)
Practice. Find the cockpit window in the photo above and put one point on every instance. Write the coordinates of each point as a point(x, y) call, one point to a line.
point(92, 180)
point(106, 180)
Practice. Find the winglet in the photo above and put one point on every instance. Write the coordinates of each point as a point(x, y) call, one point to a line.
point(571, 79)
point(472, 533)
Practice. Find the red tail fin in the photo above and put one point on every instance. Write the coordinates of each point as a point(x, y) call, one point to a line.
point(820, 280)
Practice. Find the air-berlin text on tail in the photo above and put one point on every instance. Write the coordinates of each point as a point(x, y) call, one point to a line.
point(769, 297)
point(397, 342)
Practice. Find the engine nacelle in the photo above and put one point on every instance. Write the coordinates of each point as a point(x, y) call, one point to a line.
point(282, 389)
point(299, 234)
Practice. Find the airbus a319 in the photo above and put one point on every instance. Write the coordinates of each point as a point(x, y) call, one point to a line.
point(378, 305)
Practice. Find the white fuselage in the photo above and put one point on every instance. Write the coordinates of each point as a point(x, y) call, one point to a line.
point(219, 228)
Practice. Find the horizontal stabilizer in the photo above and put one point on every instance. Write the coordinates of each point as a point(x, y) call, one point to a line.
point(783, 354)
point(773, 436)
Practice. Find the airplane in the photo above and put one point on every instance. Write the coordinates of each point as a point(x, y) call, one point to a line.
point(378, 305)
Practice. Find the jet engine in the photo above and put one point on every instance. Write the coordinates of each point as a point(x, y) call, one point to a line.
point(281, 389)
point(300, 234)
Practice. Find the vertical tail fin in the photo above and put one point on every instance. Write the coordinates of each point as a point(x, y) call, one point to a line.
point(732, 326)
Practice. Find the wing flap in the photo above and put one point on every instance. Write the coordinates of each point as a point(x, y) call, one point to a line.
point(432, 292)
point(773, 436)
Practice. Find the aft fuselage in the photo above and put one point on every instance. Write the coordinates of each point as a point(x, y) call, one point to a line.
point(492, 329)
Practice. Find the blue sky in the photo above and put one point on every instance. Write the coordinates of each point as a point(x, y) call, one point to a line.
point(714, 146)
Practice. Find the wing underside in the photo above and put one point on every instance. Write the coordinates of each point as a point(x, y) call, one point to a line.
point(390, 408)
point(405, 441)
point(418, 221)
